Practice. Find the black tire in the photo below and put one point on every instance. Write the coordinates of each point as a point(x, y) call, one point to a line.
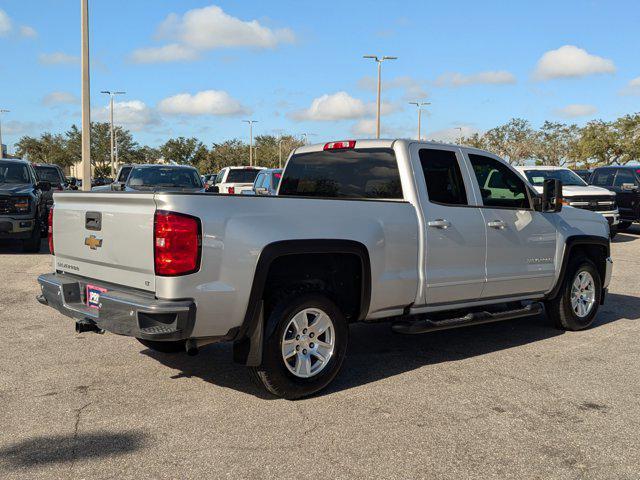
point(32, 244)
point(273, 374)
point(612, 233)
point(624, 225)
point(559, 309)
point(164, 347)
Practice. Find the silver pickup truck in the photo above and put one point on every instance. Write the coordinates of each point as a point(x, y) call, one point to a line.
point(360, 231)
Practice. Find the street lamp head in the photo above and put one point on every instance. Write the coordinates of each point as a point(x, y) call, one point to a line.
point(389, 58)
point(106, 91)
point(4, 111)
point(375, 57)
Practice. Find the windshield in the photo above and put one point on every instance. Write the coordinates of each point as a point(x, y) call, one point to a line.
point(164, 177)
point(244, 175)
point(48, 174)
point(14, 173)
point(567, 177)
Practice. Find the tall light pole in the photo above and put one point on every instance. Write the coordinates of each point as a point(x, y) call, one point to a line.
point(379, 62)
point(419, 105)
point(306, 136)
point(2, 110)
point(250, 122)
point(113, 151)
point(280, 152)
point(86, 97)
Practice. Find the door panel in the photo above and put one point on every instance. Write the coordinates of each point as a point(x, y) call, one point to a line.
point(454, 230)
point(521, 247)
point(521, 243)
point(626, 199)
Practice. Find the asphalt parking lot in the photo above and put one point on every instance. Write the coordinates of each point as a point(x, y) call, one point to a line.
point(511, 400)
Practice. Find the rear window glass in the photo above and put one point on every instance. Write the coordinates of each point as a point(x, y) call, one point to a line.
point(168, 177)
point(365, 173)
point(48, 174)
point(245, 175)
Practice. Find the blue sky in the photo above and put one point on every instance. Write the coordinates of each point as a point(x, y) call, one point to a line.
point(196, 68)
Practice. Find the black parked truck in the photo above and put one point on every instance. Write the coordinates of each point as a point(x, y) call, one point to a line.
point(23, 209)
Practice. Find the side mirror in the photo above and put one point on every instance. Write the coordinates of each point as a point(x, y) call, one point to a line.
point(552, 195)
point(629, 187)
point(43, 186)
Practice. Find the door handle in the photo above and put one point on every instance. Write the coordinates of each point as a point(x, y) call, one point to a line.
point(439, 223)
point(497, 224)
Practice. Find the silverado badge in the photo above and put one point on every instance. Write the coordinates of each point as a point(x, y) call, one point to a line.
point(92, 242)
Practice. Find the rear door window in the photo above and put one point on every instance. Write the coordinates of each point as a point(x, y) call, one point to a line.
point(499, 185)
point(443, 177)
point(49, 174)
point(353, 173)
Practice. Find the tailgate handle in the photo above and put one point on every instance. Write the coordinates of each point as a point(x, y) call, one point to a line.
point(93, 221)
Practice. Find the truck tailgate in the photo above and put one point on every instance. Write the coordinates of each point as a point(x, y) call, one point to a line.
point(107, 237)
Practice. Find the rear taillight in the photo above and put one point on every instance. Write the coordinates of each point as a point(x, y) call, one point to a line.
point(50, 230)
point(340, 145)
point(231, 190)
point(177, 243)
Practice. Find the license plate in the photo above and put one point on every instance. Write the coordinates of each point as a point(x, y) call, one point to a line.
point(93, 295)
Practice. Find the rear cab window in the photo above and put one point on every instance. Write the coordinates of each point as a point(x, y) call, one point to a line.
point(49, 174)
point(124, 174)
point(242, 175)
point(367, 173)
point(603, 178)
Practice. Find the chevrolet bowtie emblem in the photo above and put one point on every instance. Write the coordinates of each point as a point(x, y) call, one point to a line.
point(92, 242)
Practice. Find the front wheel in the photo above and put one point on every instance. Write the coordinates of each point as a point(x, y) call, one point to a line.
point(305, 350)
point(32, 244)
point(576, 305)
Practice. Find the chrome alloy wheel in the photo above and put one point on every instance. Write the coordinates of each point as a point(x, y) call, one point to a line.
point(583, 294)
point(308, 342)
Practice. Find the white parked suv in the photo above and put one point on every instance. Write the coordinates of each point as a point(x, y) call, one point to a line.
point(576, 192)
point(233, 180)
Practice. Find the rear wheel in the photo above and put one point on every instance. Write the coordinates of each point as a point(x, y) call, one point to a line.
point(576, 305)
point(305, 351)
point(32, 244)
point(164, 347)
point(623, 226)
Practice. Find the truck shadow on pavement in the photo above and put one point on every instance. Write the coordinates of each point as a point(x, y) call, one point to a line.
point(56, 449)
point(376, 353)
point(15, 247)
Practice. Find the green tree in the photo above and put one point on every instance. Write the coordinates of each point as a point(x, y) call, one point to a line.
point(598, 144)
point(513, 141)
point(185, 151)
point(48, 148)
point(553, 143)
point(475, 140)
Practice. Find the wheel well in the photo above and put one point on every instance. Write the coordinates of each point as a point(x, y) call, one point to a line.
point(339, 275)
point(596, 253)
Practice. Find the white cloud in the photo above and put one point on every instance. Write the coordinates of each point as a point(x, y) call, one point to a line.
point(167, 53)
point(57, 98)
point(28, 32)
point(58, 58)
point(451, 135)
point(571, 61)
point(499, 77)
point(632, 88)
point(5, 23)
point(132, 114)
point(365, 127)
point(414, 89)
point(209, 28)
point(576, 110)
point(207, 102)
point(330, 107)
